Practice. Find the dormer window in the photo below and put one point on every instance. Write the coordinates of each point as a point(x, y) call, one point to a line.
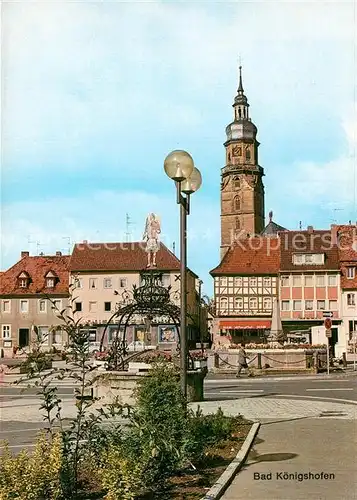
point(351, 272)
point(23, 280)
point(50, 279)
point(308, 259)
point(50, 282)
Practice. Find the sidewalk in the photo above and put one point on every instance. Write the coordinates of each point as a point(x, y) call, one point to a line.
point(286, 449)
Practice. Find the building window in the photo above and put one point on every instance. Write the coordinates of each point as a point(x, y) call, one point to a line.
point(43, 333)
point(309, 280)
point(253, 281)
point(23, 282)
point(92, 307)
point(238, 281)
point(50, 282)
point(224, 281)
point(333, 305)
point(297, 305)
point(267, 281)
point(6, 306)
point(297, 259)
point(107, 306)
point(6, 331)
point(236, 204)
point(238, 303)
point(78, 306)
point(122, 282)
point(253, 303)
point(237, 222)
point(285, 305)
point(107, 282)
point(352, 328)
point(351, 271)
point(351, 299)
point(57, 335)
point(320, 280)
point(309, 305)
point(267, 303)
point(78, 283)
point(236, 184)
point(285, 280)
point(332, 280)
point(24, 306)
point(308, 258)
point(92, 283)
point(297, 280)
point(42, 306)
point(223, 304)
point(57, 305)
point(320, 305)
point(247, 154)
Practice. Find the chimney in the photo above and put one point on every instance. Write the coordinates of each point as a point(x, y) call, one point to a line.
point(25, 254)
point(334, 234)
point(310, 229)
point(58, 254)
point(85, 242)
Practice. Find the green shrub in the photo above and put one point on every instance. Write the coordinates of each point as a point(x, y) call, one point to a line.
point(163, 437)
point(33, 476)
point(204, 431)
point(120, 477)
point(151, 450)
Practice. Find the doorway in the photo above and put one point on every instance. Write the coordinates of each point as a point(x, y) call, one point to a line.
point(24, 335)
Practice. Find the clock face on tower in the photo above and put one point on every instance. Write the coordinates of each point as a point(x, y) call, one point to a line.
point(237, 151)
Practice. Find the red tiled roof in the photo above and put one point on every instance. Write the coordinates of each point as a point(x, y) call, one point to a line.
point(308, 242)
point(346, 237)
point(37, 267)
point(251, 256)
point(119, 257)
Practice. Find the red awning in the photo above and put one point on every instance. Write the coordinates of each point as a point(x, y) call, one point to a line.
point(245, 325)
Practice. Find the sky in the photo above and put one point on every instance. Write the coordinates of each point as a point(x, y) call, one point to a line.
point(96, 94)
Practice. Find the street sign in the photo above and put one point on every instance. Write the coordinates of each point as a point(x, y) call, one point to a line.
point(328, 323)
point(327, 314)
point(328, 332)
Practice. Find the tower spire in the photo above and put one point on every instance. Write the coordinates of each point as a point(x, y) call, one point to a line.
point(240, 87)
point(240, 105)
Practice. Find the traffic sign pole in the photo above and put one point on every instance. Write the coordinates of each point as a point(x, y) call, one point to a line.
point(328, 355)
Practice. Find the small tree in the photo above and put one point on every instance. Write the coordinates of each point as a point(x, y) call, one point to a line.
point(78, 437)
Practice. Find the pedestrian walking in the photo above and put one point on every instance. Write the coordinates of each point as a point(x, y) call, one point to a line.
point(242, 361)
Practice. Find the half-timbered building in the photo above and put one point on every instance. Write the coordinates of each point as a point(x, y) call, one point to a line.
point(245, 287)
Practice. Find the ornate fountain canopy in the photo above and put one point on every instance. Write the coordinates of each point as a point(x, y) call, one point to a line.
point(151, 294)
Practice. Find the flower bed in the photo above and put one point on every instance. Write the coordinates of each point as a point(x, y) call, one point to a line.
point(280, 347)
point(189, 483)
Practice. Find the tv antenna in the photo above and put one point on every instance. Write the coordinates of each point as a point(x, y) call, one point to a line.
point(68, 238)
point(128, 223)
point(37, 243)
point(334, 220)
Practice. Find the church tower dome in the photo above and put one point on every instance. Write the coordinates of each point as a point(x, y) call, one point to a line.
point(242, 190)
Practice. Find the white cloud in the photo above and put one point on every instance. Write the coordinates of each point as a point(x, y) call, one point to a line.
point(83, 75)
point(45, 226)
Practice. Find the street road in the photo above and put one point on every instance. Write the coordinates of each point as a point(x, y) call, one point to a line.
point(340, 388)
point(23, 419)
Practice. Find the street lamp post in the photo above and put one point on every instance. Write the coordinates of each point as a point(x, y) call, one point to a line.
point(180, 168)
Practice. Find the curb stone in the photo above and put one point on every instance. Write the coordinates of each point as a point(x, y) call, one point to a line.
point(226, 478)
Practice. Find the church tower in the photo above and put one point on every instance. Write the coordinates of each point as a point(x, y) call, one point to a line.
point(242, 190)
